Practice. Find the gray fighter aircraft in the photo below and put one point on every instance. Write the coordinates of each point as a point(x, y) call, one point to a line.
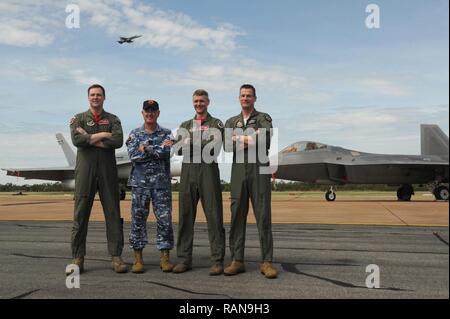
point(65, 174)
point(128, 40)
point(316, 163)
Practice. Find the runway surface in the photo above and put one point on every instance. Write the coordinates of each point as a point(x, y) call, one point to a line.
point(315, 261)
point(360, 208)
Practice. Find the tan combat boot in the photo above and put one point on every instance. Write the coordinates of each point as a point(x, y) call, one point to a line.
point(235, 268)
point(118, 265)
point(138, 266)
point(181, 268)
point(164, 262)
point(79, 262)
point(268, 270)
point(216, 270)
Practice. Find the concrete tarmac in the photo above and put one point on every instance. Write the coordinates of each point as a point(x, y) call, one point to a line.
point(314, 261)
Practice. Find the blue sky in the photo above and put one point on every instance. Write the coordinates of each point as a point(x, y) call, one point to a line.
point(319, 71)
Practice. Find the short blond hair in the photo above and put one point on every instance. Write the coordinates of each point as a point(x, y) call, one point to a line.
point(201, 92)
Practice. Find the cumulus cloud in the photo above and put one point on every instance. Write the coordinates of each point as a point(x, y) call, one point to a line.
point(227, 76)
point(27, 24)
point(160, 28)
point(52, 71)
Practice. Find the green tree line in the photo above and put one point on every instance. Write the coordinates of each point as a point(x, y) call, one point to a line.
point(279, 186)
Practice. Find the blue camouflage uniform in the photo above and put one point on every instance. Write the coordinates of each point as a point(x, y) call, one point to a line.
point(150, 181)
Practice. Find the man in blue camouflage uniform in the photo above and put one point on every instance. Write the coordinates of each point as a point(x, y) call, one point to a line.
point(149, 151)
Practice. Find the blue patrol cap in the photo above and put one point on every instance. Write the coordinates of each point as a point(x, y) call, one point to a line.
point(150, 105)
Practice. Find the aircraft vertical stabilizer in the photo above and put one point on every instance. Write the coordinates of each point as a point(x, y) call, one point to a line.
point(68, 152)
point(433, 141)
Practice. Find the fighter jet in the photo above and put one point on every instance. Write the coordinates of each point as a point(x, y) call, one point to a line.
point(317, 163)
point(65, 174)
point(128, 40)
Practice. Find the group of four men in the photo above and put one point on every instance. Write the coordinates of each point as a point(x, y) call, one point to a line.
point(97, 134)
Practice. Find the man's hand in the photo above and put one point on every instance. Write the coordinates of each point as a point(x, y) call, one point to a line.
point(98, 137)
point(167, 142)
point(141, 148)
point(100, 144)
point(81, 130)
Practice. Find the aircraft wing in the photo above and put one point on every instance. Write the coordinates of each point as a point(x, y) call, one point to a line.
point(48, 173)
point(134, 37)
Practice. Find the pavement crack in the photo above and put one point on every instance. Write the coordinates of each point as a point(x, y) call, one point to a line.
point(25, 294)
point(28, 203)
point(37, 226)
point(293, 269)
point(393, 214)
point(436, 234)
point(186, 290)
point(55, 257)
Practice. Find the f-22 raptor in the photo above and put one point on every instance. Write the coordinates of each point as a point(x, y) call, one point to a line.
point(317, 163)
point(128, 40)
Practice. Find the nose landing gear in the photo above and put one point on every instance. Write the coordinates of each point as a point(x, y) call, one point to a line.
point(330, 195)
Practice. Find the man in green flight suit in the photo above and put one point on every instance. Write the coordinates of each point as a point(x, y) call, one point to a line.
point(96, 134)
point(201, 141)
point(250, 132)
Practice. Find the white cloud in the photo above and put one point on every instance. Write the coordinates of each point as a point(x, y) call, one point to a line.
point(385, 87)
point(27, 24)
point(53, 70)
point(160, 29)
point(368, 129)
point(227, 76)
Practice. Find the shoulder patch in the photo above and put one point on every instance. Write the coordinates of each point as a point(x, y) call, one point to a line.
point(72, 120)
point(267, 117)
point(220, 124)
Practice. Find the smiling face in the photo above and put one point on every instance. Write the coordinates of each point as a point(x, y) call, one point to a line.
point(96, 99)
point(247, 98)
point(200, 103)
point(150, 117)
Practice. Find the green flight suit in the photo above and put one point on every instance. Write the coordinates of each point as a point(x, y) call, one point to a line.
point(248, 183)
point(96, 170)
point(201, 181)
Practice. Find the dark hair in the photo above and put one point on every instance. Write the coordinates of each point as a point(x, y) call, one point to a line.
point(200, 92)
point(93, 86)
point(248, 86)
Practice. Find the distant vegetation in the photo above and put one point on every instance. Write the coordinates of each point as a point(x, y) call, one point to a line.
point(279, 186)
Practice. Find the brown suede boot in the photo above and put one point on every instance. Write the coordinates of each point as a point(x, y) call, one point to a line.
point(181, 268)
point(235, 268)
point(268, 270)
point(164, 262)
point(138, 266)
point(216, 270)
point(118, 265)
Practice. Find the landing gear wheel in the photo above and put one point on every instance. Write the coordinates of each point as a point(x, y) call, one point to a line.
point(441, 193)
point(330, 196)
point(123, 194)
point(405, 192)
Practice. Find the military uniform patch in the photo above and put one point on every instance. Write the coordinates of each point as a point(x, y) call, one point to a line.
point(72, 120)
point(239, 124)
point(268, 118)
point(220, 124)
point(90, 123)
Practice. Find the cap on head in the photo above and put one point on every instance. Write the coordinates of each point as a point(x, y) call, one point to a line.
point(150, 105)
